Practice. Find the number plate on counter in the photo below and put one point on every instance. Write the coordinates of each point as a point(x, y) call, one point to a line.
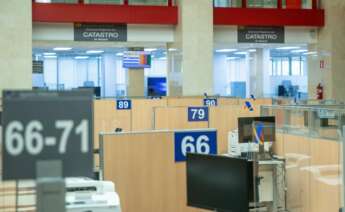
point(197, 114)
point(203, 142)
point(47, 126)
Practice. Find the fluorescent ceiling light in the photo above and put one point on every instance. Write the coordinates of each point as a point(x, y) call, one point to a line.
point(120, 54)
point(240, 53)
point(163, 58)
point(62, 48)
point(225, 50)
point(232, 58)
point(94, 51)
point(150, 49)
point(309, 53)
point(299, 51)
point(288, 47)
point(252, 50)
point(172, 49)
point(49, 56)
point(81, 57)
point(49, 53)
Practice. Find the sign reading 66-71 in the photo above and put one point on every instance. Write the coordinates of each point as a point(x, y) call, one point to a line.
point(47, 126)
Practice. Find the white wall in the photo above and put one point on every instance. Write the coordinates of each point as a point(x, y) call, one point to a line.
point(158, 68)
point(220, 74)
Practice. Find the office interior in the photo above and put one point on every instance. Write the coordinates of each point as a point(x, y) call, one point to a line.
point(181, 116)
point(284, 69)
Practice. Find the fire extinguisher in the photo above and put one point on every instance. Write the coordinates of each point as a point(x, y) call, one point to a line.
point(319, 92)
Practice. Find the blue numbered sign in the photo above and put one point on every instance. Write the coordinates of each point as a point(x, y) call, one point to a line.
point(203, 142)
point(123, 104)
point(197, 113)
point(210, 102)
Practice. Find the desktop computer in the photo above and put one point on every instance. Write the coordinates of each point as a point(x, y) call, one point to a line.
point(255, 137)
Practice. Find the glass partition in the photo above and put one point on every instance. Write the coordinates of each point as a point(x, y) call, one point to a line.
point(309, 139)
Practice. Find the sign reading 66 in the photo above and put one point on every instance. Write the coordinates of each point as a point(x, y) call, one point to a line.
point(203, 142)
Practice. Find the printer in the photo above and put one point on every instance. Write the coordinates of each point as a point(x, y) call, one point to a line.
point(87, 195)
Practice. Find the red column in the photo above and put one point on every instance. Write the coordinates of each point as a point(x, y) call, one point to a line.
point(279, 4)
point(125, 2)
point(314, 4)
point(80, 1)
point(170, 3)
point(244, 3)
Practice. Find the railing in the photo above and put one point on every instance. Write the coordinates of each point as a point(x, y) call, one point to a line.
point(278, 4)
point(112, 2)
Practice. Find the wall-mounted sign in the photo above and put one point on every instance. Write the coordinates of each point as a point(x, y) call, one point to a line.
point(197, 114)
point(37, 66)
point(210, 102)
point(123, 104)
point(253, 34)
point(47, 126)
point(100, 32)
point(194, 142)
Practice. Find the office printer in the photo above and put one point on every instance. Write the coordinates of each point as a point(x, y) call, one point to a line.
point(83, 194)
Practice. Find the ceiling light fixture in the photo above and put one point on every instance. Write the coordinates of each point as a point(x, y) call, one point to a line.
point(150, 49)
point(81, 57)
point(225, 50)
point(299, 51)
point(49, 53)
point(288, 47)
point(94, 51)
point(62, 48)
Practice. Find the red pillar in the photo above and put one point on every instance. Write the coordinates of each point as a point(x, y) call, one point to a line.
point(244, 3)
point(279, 4)
point(170, 3)
point(314, 4)
point(125, 2)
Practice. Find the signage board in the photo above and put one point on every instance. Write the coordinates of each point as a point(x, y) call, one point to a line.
point(210, 102)
point(136, 59)
point(197, 114)
point(42, 126)
point(203, 142)
point(255, 34)
point(37, 66)
point(100, 32)
point(124, 104)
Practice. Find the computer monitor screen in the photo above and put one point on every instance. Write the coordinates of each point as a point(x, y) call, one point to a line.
point(96, 90)
point(245, 128)
point(219, 183)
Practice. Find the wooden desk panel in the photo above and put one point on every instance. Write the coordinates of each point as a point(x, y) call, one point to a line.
point(170, 118)
point(185, 101)
point(107, 118)
point(144, 172)
point(142, 113)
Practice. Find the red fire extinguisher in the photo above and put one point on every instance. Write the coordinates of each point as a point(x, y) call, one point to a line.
point(319, 92)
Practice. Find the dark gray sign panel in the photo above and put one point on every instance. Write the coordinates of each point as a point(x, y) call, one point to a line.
point(47, 126)
point(252, 34)
point(100, 32)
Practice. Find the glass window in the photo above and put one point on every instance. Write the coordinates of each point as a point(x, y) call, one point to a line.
point(285, 70)
point(296, 66)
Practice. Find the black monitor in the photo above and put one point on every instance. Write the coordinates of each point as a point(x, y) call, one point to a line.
point(245, 128)
point(96, 90)
point(219, 183)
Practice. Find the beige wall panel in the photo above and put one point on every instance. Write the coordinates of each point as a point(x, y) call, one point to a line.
point(107, 118)
point(175, 118)
point(142, 113)
point(143, 169)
